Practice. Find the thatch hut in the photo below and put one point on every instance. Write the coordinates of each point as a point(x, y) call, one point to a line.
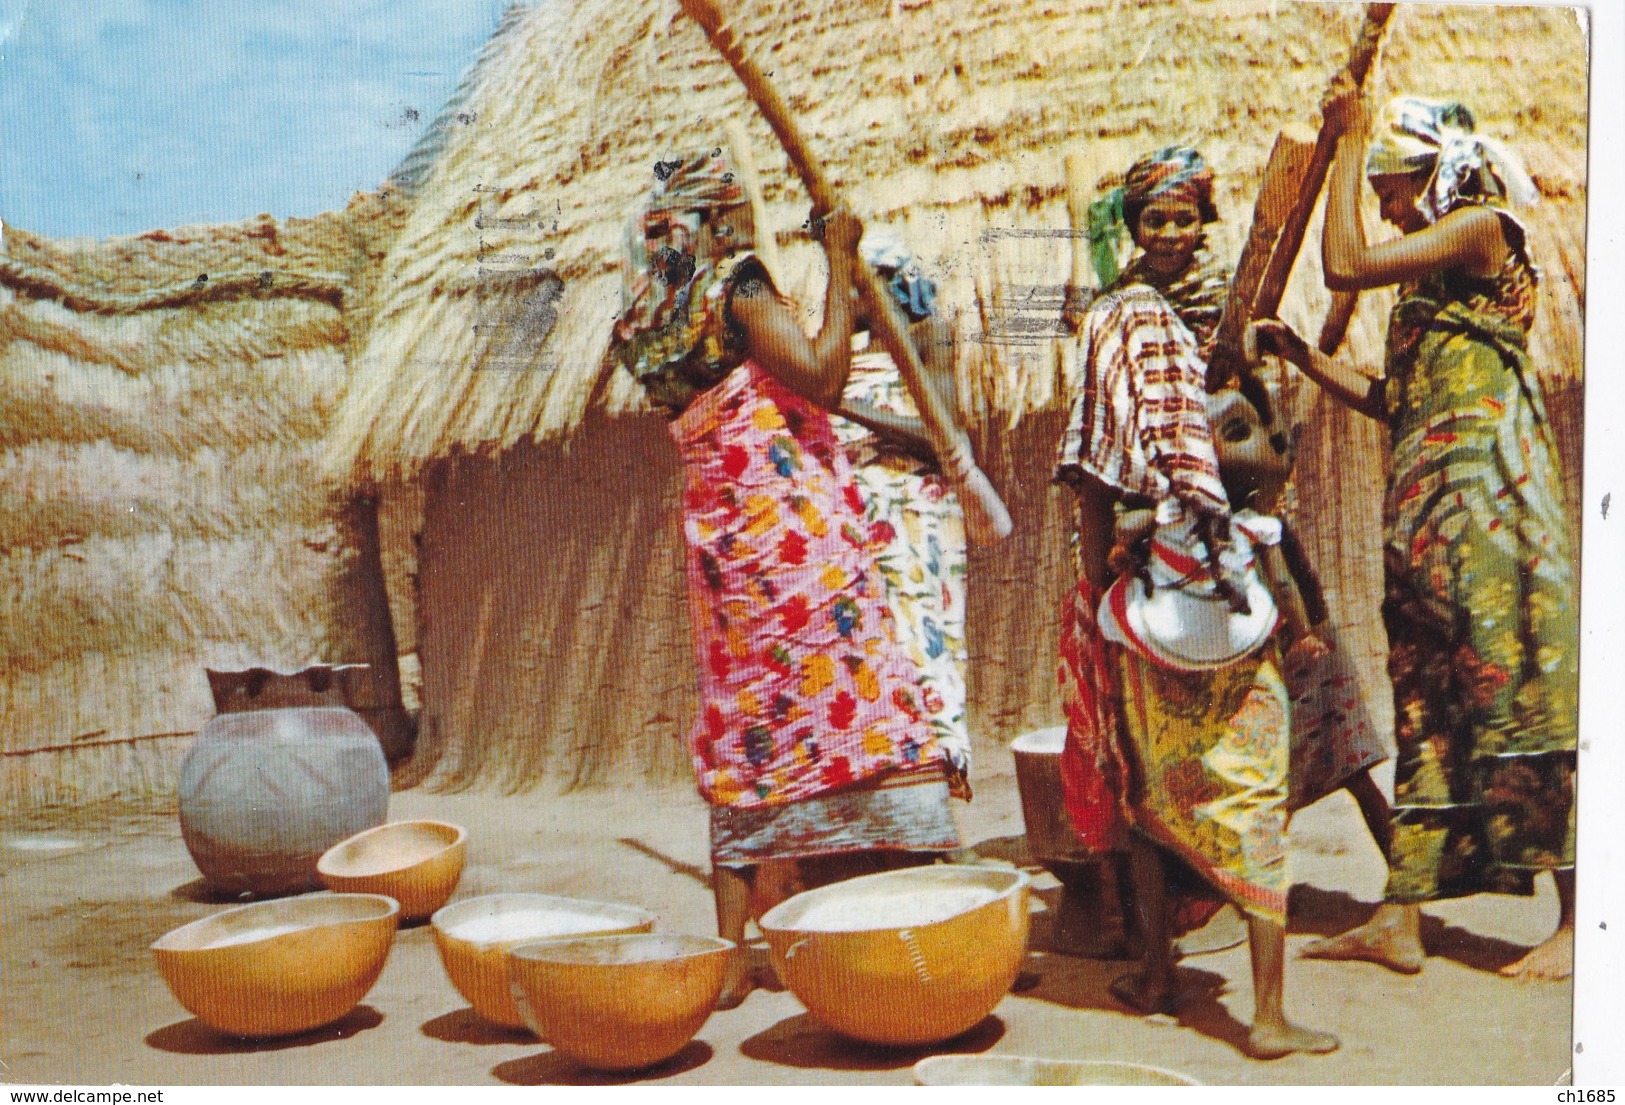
point(552, 633)
point(163, 400)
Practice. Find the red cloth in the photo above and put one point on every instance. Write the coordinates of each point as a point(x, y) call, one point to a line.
point(1094, 770)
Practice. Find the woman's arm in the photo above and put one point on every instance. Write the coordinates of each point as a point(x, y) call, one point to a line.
point(933, 338)
point(1353, 389)
point(816, 369)
point(903, 431)
point(1469, 238)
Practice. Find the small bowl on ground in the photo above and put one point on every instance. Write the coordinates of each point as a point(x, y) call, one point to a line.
point(418, 863)
point(903, 958)
point(1016, 1070)
point(619, 1002)
point(474, 935)
point(280, 967)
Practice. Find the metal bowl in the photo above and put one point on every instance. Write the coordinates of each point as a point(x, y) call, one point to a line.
point(474, 936)
point(1015, 1070)
point(281, 967)
point(907, 957)
point(619, 1002)
point(417, 863)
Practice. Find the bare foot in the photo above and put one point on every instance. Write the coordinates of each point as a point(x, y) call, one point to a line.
point(1552, 961)
point(1375, 941)
point(1274, 1041)
point(1141, 994)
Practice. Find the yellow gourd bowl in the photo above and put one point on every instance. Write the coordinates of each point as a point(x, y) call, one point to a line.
point(280, 967)
point(474, 936)
point(418, 863)
point(619, 1002)
point(907, 957)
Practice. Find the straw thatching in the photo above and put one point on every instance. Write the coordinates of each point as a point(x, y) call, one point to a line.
point(163, 400)
point(553, 635)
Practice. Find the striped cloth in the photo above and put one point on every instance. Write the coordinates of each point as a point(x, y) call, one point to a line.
point(1139, 422)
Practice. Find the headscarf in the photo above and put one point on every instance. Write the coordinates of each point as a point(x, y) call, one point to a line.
point(668, 335)
point(1415, 135)
point(662, 240)
point(1174, 172)
point(914, 292)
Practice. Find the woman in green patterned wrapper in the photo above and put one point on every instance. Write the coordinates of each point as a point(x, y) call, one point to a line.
point(1481, 588)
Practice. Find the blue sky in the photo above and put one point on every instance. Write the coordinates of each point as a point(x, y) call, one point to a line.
point(117, 116)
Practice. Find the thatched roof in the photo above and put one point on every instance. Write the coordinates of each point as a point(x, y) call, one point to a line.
point(945, 119)
point(163, 399)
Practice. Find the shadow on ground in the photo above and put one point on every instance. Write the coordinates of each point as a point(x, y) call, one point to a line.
point(193, 1037)
point(464, 1026)
point(800, 1041)
point(552, 1069)
point(1318, 912)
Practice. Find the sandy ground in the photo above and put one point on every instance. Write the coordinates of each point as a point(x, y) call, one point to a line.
point(86, 891)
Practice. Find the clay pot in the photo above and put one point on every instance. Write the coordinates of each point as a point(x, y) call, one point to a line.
point(474, 936)
point(277, 968)
point(264, 793)
point(619, 1002)
point(418, 863)
point(906, 957)
point(1043, 799)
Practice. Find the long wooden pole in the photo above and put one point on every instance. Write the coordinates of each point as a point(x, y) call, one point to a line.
point(767, 243)
point(1283, 179)
point(986, 518)
point(1272, 286)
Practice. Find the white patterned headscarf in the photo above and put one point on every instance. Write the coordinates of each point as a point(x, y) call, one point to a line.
point(914, 292)
point(1416, 135)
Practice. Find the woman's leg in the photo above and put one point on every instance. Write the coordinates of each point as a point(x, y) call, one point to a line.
point(1554, 959)
point(1152, 989)
point(1374, 809)
point(731, 886)
point(1272, 1035)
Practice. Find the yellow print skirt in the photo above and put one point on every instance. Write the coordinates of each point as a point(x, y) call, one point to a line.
point(1212, 749)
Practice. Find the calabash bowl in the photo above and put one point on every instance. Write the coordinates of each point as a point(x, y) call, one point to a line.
point(906, 957)
point(475, 935)
point(1016, 1070)
point(619, 1002)
point(418, 863)
point(279, 967)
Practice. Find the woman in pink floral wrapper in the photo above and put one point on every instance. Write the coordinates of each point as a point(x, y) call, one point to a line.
point(801, 746)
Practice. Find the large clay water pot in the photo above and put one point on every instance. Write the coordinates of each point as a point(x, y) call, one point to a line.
point(264, 793)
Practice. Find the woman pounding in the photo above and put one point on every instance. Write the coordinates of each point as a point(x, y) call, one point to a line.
point(1481, 600)
point(1335, 743)
point(1210, 748)
point(800, 748)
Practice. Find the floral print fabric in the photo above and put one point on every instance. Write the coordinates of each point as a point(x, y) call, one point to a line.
point(803, 688)
point(1333, 735)
point(1212, 749)
point(1481, 603)
point(918, 537)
